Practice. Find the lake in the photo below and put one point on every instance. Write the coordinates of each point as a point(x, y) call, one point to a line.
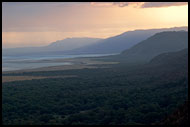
point(10, 63)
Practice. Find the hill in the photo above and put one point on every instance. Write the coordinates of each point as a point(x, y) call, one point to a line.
point(144, 51)
point(171, 58)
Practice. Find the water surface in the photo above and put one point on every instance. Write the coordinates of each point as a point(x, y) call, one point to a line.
point(10, 63)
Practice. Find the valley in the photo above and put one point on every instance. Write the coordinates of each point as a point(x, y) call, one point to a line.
point(118, 92)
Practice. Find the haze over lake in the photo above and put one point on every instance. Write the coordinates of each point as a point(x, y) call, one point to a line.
point(10, 63)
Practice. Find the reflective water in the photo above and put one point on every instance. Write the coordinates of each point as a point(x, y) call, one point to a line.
point(10, 63)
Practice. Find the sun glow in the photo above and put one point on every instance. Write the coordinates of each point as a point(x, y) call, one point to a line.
point(27, 27)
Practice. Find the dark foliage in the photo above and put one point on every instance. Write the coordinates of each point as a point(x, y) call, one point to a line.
point(120, 95)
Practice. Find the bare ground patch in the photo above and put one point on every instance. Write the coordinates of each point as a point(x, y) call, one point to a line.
point(21, 78)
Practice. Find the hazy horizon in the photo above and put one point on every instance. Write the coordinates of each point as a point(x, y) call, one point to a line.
point(39, 24)
point(87, 37)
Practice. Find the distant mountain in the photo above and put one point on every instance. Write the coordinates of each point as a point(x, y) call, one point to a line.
point(74, 46)
point(121, 42)
point(71, 43)
point(60, 45)
point(159, 43)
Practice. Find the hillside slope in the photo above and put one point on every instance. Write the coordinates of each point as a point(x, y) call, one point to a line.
point(144, 51)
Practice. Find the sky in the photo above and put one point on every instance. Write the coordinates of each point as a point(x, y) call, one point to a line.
point(27, 24)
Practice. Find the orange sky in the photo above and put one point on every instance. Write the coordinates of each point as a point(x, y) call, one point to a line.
point(35, 24)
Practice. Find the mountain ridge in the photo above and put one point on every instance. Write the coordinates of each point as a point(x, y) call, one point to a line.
point(115, 44)
point(126, 40)
point(59, 45)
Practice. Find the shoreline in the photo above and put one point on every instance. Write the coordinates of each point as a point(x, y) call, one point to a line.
point(76, 63)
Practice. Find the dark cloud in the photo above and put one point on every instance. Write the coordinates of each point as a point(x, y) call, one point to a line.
point(121, 4)
point(149, 4)
point(162, 4)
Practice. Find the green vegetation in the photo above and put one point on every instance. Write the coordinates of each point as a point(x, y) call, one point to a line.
point(122, 95)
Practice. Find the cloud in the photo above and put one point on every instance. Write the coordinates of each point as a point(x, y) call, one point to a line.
point(99, 4)
point(108, 4)
point(140, 4)
point(121, 4)
point(162, 4)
